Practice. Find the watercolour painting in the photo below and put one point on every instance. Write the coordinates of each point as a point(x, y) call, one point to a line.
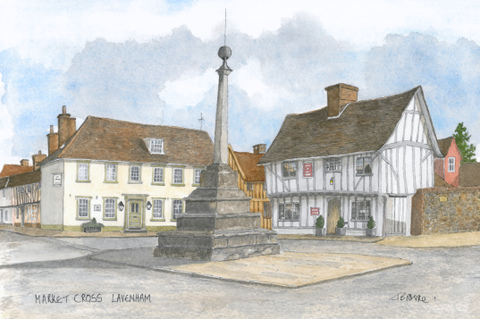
point(239, 159)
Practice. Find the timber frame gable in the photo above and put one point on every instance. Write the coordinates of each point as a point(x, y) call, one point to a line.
point(367, 160)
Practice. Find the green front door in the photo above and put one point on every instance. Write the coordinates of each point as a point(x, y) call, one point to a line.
point(135, 214)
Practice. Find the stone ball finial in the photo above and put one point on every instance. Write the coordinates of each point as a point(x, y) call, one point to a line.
point(224, 52)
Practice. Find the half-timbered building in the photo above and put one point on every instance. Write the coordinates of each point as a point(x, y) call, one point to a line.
point(251, 179)
point(353, 159)
point(6, 202)
point(20, 199)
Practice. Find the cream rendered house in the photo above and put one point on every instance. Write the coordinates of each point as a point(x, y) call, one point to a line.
point(130, 177)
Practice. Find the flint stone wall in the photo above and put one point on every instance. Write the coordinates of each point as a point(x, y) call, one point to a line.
point(445, 210)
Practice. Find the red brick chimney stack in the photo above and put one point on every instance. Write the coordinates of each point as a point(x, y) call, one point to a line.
point(63, 126)
point(338, 96)
point(24, 162)
point(52, 139)
point(260, 149)
point(36, 159)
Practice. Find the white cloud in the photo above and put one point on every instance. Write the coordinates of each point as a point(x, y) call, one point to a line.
point(188, 90)
point(50, 32)
point(250, 78)
point(6, 131)
point(282, 60)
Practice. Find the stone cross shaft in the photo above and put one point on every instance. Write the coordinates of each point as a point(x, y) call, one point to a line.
point(220, 148)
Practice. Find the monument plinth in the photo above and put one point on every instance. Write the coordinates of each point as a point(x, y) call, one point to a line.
point(217, 224)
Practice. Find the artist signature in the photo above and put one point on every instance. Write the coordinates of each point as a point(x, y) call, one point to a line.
point(403, 296)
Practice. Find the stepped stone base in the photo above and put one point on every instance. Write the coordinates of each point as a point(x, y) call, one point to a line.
point(217, 224)
point(217, 245)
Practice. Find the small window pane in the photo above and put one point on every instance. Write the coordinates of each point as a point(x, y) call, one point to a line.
point(111, 172)
point(158, 175)
point(360, 165)
point(333, 164)
point(135, 173)
point(110, 208)
point(177, 208)
point(83, 204)
point(361, 210)
point(177, 176)
point(156, 146)
point(289, 212)
point(367, 162)
point(157, 208)
point(364, 166)
point(82, 172)
point(289, 169)
point(451, 164)
point(197, 176)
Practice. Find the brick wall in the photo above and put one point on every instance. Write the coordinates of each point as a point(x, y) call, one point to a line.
point(445, 210)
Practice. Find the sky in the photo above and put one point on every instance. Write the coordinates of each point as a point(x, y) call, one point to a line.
point(154, 62)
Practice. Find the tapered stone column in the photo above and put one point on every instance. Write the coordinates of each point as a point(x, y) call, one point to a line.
point(217, 224)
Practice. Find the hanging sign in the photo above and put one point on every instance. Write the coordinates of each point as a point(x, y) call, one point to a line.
point(308, 169)
point(314, 211)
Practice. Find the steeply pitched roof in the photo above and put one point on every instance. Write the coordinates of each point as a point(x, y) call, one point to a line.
point(248, 162)
point(114, 140)
point(12, 169)
point(363, 126)
point(469, 174)
point(444, 144)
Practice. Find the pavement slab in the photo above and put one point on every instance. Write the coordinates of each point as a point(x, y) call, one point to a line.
point(289, 269)
point(292, 269)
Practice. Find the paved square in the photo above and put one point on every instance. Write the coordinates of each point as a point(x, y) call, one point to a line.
point(291, 269)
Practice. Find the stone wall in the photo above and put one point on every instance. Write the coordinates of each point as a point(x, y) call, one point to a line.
point(445, 210)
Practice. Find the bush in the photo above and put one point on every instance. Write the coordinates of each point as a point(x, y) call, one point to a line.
point(320, 222)
point(92, 223)
point(340, 223)
point(371, 223)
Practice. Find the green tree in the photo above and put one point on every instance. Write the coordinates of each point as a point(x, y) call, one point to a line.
point(462, 138)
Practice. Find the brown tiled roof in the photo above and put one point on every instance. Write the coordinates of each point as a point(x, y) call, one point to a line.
point(363, 126)
point(12, 169)
point(469, 174)
point(444, 144)
point(3, 182)
point(439, 182)
point(114, 140)
point(248, 162)
point(25, 178)
point(20, 179)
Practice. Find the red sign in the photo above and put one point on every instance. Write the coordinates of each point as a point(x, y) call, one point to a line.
point(314, 211)
point(308, 169)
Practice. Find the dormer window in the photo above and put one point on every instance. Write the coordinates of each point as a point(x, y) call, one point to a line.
point(155, 145)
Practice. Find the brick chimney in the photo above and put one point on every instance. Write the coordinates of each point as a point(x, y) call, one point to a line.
point(260, 149)
point(24, 162)
point(340, 95)
point(36, 159)
point(52, 139)
point(66, 126)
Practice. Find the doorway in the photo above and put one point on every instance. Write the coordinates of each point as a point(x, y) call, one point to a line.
point(135, 212)
point(333, 215)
